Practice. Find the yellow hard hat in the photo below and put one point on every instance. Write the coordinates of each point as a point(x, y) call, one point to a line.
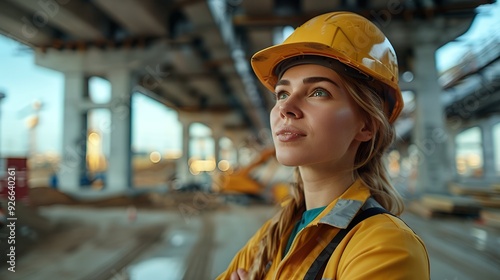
point(346, 37)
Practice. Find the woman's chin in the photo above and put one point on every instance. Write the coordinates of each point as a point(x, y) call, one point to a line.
point(288, 160)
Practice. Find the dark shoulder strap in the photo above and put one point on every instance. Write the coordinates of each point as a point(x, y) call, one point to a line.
point(316, 270)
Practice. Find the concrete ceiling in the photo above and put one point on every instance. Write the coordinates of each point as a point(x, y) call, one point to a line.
point(208, 44)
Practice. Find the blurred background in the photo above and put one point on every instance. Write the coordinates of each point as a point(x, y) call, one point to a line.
point(140, 140)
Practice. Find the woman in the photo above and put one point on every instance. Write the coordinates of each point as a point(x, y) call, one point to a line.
point(336, 85)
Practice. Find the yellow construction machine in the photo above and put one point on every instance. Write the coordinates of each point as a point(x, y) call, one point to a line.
point(264, 177)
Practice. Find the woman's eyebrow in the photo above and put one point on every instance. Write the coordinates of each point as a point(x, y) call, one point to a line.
point(309, 80)
point(312, 80)
point(282, 83)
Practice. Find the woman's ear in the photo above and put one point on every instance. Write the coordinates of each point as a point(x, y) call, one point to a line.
point(366, 132)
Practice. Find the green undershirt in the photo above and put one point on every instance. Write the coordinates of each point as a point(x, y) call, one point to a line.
point(307, 217)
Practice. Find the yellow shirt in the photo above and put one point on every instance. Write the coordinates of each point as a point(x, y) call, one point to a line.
point(381, 247)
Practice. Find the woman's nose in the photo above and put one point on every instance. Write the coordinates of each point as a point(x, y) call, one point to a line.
point(290, 109)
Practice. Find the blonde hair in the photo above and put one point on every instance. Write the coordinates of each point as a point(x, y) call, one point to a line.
point(369, 161)
point(368, 166)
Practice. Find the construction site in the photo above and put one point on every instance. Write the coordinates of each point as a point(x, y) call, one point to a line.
point(132, 194)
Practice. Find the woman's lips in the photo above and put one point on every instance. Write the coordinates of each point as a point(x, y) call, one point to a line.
point(289, 134)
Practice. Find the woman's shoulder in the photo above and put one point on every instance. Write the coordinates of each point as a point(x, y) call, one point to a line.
point(385, 222)
point(381, 247)
point(387, 229)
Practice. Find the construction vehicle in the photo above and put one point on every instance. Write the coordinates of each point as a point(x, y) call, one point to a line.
point(263, 178)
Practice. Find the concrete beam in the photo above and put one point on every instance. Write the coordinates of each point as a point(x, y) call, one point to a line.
point(199, 14)
point(138, 17)
point(260, 39)
point(258, 7)
point(157, 96)
point(17, 25)
point(248, 105)
point(214, 120)
point(207, 85)
point(319, 6)
point(266, 21)
point(179, 91)
point(78, 18)
point(95, 61)
point(186, 60)
point(437, 31)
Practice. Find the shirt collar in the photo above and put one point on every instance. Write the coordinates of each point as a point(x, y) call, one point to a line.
point(341, 211)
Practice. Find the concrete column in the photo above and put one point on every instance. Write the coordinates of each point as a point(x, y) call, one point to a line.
point(489, 173)
point(217, 134)
point(183, 173)
point(429, 133)
point(119, 173)
point(73, 164)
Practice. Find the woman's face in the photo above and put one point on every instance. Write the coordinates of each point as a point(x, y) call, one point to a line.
point(315, 121)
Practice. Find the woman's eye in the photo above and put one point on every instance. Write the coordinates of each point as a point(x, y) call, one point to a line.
point(281, 96)
point(320, 93)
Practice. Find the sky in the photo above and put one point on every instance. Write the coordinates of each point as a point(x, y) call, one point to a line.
point(23, 83)
point(484, 27)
